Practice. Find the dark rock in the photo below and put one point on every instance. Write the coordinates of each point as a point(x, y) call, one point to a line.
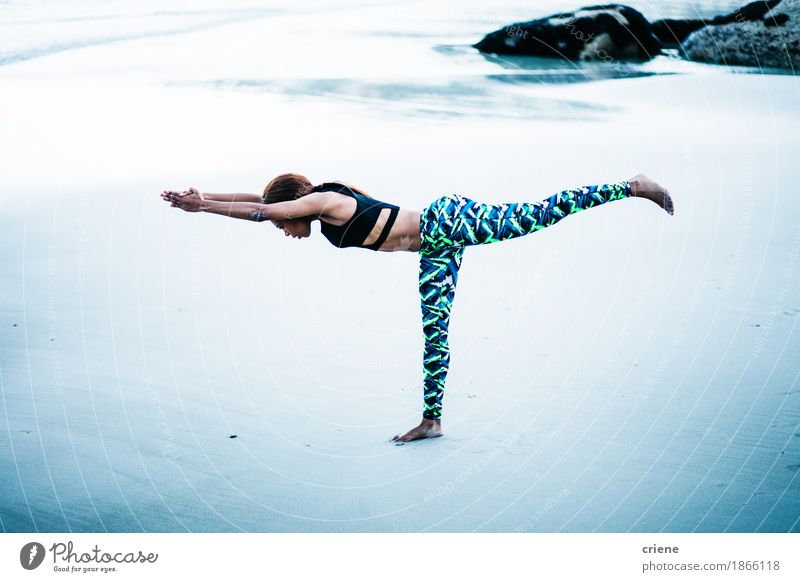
point(772, 40)
point(748, 12)
point(673, 31)
point(594, 33)
point(776, 20)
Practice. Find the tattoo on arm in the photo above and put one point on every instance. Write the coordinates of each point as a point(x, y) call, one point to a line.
point(258, 215)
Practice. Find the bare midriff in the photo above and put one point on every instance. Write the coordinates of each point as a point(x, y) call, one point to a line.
point(404, 235)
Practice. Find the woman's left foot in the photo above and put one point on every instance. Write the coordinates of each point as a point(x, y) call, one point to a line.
point(644, 187)
point(427, 429)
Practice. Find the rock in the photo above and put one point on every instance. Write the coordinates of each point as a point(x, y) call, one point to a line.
point(771, 41)
point(593, 33)
point(673, 31)
point(777, 20)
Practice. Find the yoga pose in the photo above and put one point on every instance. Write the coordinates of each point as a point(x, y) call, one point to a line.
point(350, 218)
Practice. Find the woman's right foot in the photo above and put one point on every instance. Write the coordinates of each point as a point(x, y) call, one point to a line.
point(644, 187)
point(428, 428)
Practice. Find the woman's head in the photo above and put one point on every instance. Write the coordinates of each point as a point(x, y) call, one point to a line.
point(285, 188)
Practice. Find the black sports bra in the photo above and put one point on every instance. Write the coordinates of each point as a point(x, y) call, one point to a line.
point(355, 231)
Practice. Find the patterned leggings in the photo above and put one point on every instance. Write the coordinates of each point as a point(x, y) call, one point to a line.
point(452, 222)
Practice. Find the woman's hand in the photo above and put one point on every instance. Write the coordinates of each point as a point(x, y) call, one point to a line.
point(190, 200)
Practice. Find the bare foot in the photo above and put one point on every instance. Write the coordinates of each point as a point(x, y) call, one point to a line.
point(427, 429)
point(645, 187)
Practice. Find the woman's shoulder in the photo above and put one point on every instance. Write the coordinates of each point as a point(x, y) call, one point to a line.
point(336, 208)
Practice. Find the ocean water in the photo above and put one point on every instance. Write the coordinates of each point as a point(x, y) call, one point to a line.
point(31, 29)
point(411, 58)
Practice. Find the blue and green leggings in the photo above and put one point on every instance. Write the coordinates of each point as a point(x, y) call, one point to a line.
point(452, 222)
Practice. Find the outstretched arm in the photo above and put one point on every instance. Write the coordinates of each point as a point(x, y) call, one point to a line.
point(193, 201)
point(232, 197)
point(245, 210)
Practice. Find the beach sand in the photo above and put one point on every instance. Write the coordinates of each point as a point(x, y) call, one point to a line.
point(623, 370)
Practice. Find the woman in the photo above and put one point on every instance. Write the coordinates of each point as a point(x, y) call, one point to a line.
point(439, 233)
